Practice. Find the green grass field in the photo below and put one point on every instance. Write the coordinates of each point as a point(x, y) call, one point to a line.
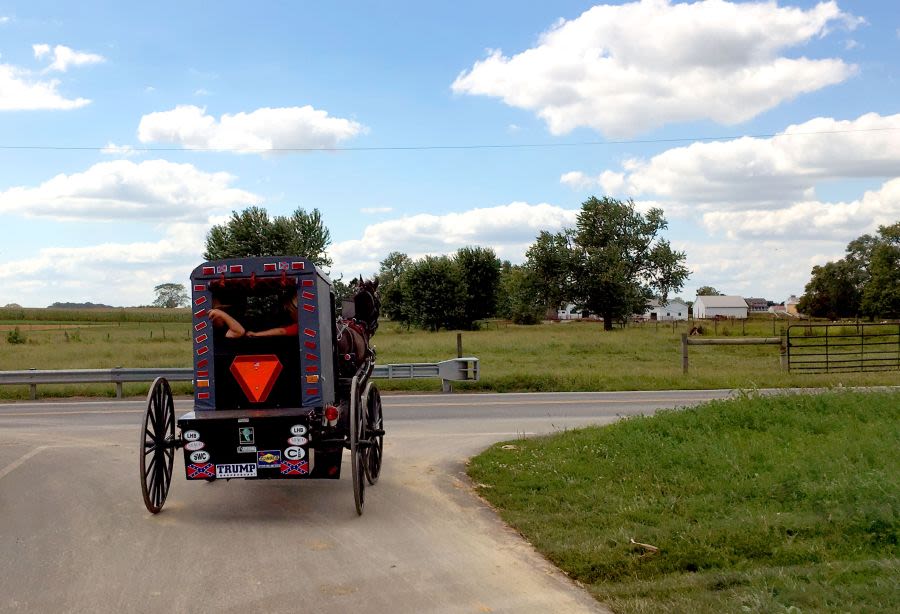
point(550, 357)
point(785, 504)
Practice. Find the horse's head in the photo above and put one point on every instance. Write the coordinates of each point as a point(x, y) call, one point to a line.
point(366, 302)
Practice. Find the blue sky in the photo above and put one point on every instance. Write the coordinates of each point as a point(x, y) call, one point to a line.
point(86, 89)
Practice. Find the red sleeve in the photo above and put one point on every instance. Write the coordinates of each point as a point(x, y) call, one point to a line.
point(292, 329)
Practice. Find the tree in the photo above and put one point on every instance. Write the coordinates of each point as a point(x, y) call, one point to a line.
point(434, 293)
point(832, 292)
point(170, 296)
point(390, 287)
point(881, 295)
point(619, 263)
point(550, 260)
point(479, 269)
point(518, 301)
point(252, 233)
point(708, 291)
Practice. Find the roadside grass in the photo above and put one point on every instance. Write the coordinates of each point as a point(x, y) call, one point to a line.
point(574, 356)
point(759, 504)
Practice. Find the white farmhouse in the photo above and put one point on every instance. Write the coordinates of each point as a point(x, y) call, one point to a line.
point(673, 310)
point(708, 307)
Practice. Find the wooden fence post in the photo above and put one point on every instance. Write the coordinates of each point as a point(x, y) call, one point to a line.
point(459, 345)
point(684, 353)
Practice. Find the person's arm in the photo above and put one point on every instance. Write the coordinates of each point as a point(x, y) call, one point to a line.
point(220, 318)
point(278, 331)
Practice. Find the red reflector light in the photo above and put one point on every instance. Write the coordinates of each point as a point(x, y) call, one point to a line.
point(236, 268)
point(202, 373)
point(202, 395)
point(307, 283)
point(200, 314)
point(312, 357)
point(200, 326)
point(297, 266)
point(202, 351)
point(331, 413)
point(209, 270)
point(200, 288)
point(200, 300)
point(201, 338)
point(312, 369)
point(309, 332)
point(308, 307)
point(269, 266)
point(202, 364)
point(256, 375)
point(312, 391)
point(308, 295)
point(310, 345)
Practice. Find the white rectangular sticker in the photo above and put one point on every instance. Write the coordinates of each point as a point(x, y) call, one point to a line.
point(236, 470)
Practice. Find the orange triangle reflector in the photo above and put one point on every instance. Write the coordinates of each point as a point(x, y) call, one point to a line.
point(256, 374)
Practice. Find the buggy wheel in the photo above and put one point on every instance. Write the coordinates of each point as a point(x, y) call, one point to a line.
point(374, 435)
point(357, 451)
point(157, 445)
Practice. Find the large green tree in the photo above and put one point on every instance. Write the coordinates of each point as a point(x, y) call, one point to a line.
point(434, 293)
point(390, 286)
point(518, 301)
point(881, 294)
point(252, 232)
point(550, 261)
point(832, 292)
point(479, 269)
point(620, 262)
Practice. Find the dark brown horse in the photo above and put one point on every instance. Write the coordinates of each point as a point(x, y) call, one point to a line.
point(355, 331)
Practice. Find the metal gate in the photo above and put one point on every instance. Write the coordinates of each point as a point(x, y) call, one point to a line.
point(843, 348)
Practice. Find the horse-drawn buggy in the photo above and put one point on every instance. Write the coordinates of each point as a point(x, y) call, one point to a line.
point(281, 385)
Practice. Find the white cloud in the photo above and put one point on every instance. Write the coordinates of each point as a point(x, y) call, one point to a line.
point(201, 92)
point(20, 92)
point(4, 19)
point(508, 229)
point(630, 68)
point(64, 57)
point(841, 221)
point(118, 274)
point(756, 186)
point(121, 189)
point(122, 151)
point(374, 210)
point(258, 131)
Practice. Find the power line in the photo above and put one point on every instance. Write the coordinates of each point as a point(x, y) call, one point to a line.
point(449, 147)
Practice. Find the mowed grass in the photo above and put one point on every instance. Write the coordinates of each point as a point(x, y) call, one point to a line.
point(761, 504)
point(573, 356)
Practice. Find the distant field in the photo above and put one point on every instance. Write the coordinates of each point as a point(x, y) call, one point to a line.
point(566, 356)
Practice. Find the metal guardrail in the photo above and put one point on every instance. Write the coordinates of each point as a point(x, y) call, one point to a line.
point(453, 370)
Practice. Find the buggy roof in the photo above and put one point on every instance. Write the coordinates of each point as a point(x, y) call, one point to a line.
point(263, 267)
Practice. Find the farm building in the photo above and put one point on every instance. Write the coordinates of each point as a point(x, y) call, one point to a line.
point(757, 305)
point(673, 310)
point(720, 306)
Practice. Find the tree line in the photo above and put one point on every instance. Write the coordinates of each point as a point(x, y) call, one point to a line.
point(865, 282)
point(611, 263)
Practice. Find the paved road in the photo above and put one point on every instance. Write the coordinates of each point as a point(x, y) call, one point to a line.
point(75, 536)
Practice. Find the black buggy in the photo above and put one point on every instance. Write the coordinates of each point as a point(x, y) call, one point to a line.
point(281, 385)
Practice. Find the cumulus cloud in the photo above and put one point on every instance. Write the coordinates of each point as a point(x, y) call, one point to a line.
point(119, 274)
point(121, 189)
point(19, 91)
point(840, 221)
point(758, 173)
point(508, 229)
point(626, 69)
point(64, 57)
point(261, 130)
